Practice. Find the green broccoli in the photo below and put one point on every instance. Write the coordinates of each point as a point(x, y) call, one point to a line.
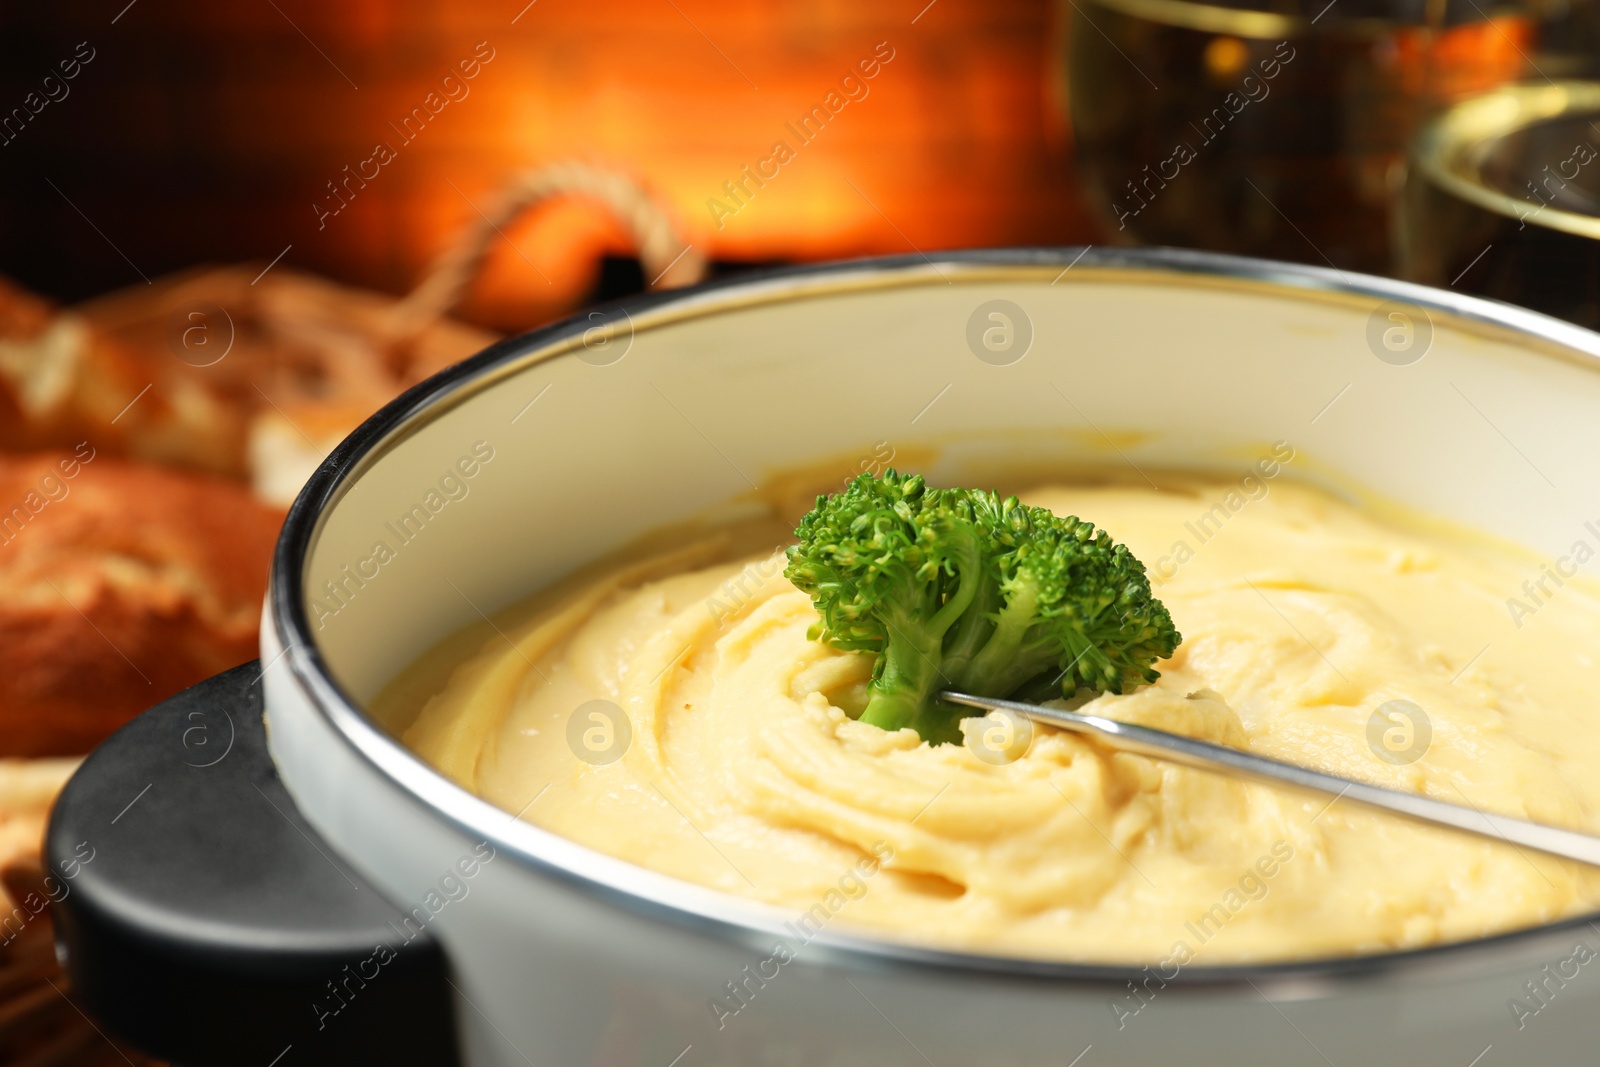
point(959, 589)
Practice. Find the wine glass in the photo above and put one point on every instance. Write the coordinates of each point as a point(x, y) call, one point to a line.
point(1276, 128)
point(1503, 199)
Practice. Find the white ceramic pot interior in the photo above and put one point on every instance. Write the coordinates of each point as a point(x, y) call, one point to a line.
point(1147, 370)
point(682, 407)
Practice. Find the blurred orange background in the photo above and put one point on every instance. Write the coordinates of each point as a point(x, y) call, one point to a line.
point(206, 133)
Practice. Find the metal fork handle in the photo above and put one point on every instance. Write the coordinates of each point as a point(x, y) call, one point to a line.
point(1176, 748)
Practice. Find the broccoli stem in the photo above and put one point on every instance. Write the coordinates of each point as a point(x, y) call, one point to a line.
point(1004, 663)
point(912, 672)
point(904, 692)
point(970, 634)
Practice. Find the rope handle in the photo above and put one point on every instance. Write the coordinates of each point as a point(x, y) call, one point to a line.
point(666, 257)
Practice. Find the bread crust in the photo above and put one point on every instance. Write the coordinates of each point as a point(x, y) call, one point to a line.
point(120, 584)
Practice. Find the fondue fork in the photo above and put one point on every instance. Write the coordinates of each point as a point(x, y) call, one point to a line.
point(1219, 759)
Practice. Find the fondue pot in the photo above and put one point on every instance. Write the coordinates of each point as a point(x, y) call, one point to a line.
point(275, 879)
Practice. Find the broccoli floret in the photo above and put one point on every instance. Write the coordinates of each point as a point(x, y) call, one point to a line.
point(960, 589)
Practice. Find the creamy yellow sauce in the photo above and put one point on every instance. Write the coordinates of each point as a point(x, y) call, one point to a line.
point(1301, 615)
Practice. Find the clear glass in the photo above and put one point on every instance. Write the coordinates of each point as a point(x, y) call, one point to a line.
point(1503, 200)
point(1274, 129)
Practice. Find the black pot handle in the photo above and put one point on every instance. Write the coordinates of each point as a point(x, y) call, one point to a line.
point(200, 917)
